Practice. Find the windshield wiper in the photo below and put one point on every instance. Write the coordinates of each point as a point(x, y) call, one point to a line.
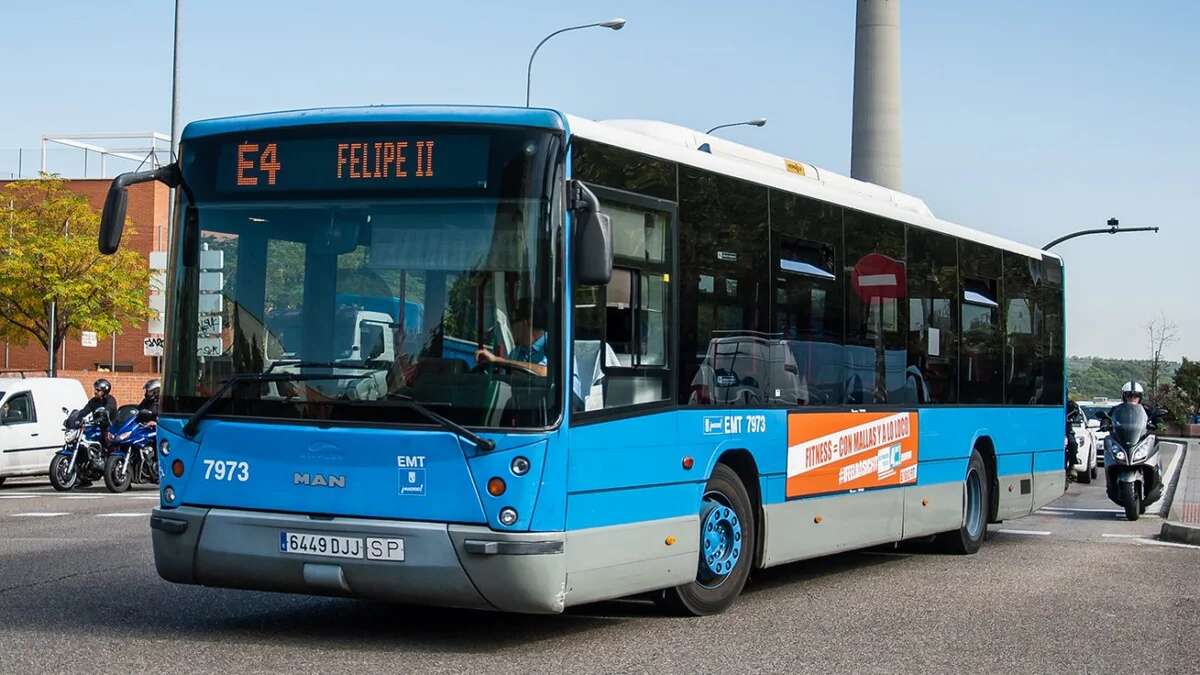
point(485, 444)
point(189, 428)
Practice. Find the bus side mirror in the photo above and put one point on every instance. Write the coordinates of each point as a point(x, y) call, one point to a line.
point(593, 239)
point(112, 218)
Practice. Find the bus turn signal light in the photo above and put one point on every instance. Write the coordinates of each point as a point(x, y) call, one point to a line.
point(496, 486)
point(177, 468)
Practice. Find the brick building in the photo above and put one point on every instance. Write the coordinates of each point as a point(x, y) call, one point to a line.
point(146, 232)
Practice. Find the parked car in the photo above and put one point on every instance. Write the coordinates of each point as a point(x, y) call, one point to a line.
point(32, 411)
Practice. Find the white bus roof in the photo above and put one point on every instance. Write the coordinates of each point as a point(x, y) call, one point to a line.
point(680, 144)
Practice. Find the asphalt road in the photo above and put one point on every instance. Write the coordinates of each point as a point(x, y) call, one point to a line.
point(1073, 588)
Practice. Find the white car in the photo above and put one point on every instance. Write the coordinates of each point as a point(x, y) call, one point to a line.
point(1090, 408)
point(1089, 448)
point(31, 422)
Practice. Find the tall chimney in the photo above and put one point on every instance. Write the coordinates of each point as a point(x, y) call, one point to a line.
point(875, 139)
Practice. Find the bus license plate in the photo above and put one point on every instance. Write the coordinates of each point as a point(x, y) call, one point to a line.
point(320, 544)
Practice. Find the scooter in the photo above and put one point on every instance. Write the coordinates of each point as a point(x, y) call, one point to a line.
point(1132, 467)
point(131, 453)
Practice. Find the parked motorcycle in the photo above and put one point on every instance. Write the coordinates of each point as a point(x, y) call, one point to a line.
point(82, 454)
point(131, 456)
point(1132, 468)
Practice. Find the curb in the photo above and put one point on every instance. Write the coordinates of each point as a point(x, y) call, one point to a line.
point(1172, 529)
point(1180, 533)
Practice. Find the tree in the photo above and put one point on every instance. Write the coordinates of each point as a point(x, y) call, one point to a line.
point(1187, 378)
point(1176, 402)
point(48, 254)
point(1162, 333)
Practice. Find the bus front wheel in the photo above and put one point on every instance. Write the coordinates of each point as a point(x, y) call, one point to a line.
point(727, 545)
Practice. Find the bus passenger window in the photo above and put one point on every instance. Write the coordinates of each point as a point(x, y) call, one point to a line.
point(806, 305)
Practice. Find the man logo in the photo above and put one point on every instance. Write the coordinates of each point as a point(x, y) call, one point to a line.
point(319, 480)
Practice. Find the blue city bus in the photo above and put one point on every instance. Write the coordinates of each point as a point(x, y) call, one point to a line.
point(647, 361)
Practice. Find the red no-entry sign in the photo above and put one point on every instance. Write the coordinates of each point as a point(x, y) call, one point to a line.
point(878, 276)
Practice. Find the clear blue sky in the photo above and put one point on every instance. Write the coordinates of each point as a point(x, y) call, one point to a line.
point(1024, 118)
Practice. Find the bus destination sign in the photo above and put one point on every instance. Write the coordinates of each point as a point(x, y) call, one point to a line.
point(344, 163)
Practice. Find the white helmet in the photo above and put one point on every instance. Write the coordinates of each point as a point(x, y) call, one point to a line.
point(1132, 388)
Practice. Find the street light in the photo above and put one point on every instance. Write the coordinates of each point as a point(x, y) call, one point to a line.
point(614, 24)
point(756, 122)
point(1114, 227)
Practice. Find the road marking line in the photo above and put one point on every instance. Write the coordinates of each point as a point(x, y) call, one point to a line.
point(141, 514)
point(1036, 533)
point(41, 514)
point(1064, 509)
point(1155, 542)
point(1156, 507)
point(1122, 536)
point(18, 496)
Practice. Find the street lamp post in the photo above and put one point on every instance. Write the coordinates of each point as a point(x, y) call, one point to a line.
point(1114, 227)
point(756, 122)
point(614, 24)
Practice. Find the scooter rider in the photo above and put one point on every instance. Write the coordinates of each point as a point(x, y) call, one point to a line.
point(1132, 392)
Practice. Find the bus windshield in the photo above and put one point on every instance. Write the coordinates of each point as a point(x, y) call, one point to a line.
point(444, 296)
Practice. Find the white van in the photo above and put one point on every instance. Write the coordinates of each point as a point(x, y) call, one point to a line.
point(31, 422)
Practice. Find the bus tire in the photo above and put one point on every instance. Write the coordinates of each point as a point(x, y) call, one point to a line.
point(727, 543)
point(969, 536)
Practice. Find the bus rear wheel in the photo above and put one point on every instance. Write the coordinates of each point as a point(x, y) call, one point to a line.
point(727, 545)
point(969, 537)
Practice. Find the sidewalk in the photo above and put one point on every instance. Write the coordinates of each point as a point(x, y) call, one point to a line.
point(1182, 523)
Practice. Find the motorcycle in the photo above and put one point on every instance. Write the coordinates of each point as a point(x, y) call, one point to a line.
point(1132, 467)
point(131, 454)
point(82, 454)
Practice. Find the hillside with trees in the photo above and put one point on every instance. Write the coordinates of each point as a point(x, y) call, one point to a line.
point(1090, 377)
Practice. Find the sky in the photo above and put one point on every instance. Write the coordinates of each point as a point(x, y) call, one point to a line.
point(1024, 118)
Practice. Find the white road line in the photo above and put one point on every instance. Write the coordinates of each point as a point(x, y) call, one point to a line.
point(1036, 533)
point(140, 514)
point(1064, 509)
point(41, 514)
point(1122, 536)
point(1155, 542)
point(1156, 508)
point(18, 496)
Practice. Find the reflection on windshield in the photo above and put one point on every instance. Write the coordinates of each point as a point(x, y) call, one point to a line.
point(416, 298)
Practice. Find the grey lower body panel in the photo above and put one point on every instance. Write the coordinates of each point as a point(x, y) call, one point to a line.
point(240, 549)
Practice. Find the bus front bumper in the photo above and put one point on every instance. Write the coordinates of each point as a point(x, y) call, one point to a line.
point(444, 564)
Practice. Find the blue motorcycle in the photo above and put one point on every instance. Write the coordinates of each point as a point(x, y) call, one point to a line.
point(82, 454)
point(131, 451)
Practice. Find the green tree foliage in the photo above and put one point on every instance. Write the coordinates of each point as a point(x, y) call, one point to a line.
point(48, 254)
point(1176, 401)
point(1187, 378)
point(1089, 378)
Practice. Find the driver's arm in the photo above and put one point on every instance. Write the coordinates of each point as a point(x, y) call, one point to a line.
point(485, 355)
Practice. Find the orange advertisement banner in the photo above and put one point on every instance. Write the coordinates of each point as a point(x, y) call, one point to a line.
point(841, 452)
